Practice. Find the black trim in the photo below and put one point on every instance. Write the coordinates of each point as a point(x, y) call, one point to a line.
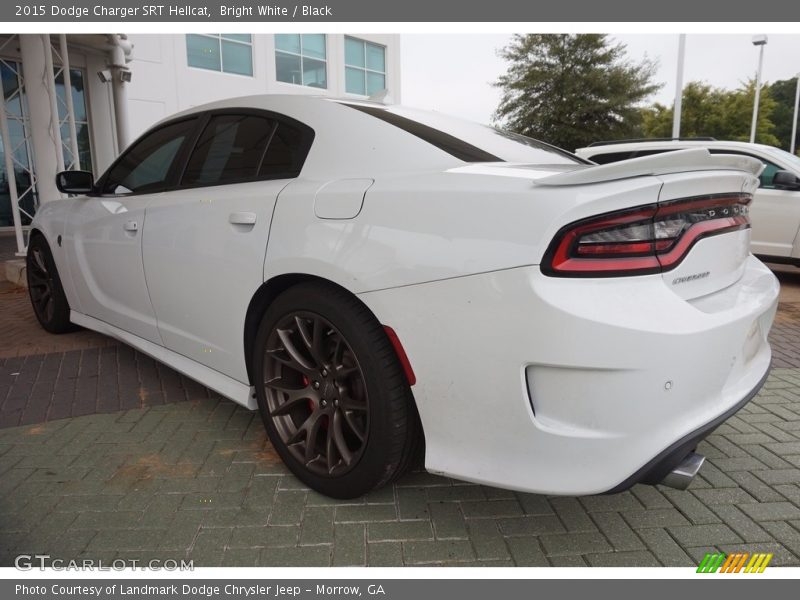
point(658, 468)
point(779, 260)
point(661, 139)
point(202, 119)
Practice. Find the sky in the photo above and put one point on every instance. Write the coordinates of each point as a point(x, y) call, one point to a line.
point(452, 73)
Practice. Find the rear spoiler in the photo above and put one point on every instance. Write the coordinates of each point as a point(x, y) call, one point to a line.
point(675, 161)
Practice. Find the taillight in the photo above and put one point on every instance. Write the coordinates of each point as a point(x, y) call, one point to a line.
point(642, 240)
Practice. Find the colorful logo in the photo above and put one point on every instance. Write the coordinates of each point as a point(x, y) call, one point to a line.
point(734, 563)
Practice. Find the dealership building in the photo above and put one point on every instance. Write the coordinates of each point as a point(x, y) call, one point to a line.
point(122, 84)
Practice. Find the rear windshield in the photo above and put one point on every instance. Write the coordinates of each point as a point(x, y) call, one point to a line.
point(468, 141)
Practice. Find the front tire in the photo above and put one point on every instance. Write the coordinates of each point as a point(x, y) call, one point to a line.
point(44, 287)
point(331, 392)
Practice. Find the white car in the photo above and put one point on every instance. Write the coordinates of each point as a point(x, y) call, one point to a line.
point(775, 211)
point(374, 277)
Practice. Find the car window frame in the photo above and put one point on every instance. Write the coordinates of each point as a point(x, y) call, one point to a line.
point(202, 119)
point(306, 132)
point(191, 138)
point(760, 159)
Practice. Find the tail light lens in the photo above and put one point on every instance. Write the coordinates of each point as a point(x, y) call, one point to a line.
point(642, 240)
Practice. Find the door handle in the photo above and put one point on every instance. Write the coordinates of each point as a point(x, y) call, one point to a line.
point(242, 218)
point(131, 226)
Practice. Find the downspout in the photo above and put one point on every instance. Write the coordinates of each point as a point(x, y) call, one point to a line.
point(120, 54)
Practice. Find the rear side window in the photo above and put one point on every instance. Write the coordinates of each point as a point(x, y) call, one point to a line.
point(230, 148)
point(147, 165)
point(611, 157)
point(468, 141)
point(234, 148)
point(285, 155)
point(444, 141)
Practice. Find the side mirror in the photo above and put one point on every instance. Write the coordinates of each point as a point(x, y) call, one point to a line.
point(786, 180)
point(75, 182)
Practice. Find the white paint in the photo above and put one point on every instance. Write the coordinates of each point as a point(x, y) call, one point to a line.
point(536, 383)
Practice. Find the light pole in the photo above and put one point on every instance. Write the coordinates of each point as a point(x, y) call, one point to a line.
point(794, 121)
point(760, 41)
point(676, 110)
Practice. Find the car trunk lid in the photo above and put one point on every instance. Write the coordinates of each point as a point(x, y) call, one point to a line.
point(696, 235)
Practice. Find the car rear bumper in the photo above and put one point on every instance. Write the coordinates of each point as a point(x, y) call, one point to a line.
point(661, 465)
point(565, 386)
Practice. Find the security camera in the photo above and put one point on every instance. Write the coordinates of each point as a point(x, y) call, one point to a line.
point(759, 40)
point(125, 76)
point(104, 75)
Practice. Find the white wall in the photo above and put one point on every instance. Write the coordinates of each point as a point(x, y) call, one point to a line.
point(163, 82)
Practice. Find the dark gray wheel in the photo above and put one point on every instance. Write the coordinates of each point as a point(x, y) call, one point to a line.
point(316, 393)
point(44, 287)
point(332, 395)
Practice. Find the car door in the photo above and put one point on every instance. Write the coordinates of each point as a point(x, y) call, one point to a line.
point(774, 212)
point(104, 239)
point(775, 216)
point(206, 241)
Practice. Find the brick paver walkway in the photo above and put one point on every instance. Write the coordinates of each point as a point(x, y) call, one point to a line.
point(166, 469)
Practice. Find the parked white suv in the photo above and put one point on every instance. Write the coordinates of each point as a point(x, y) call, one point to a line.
point(775, 211)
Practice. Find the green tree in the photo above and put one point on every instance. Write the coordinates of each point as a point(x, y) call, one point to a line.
point(707, 111)
point(571, 90)
point(783, 92)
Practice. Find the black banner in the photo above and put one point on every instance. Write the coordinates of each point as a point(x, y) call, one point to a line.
point(512, 11)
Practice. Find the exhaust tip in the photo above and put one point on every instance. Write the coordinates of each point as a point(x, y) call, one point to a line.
point(681, 476)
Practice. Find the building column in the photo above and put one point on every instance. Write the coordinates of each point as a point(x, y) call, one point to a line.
point(119, 57)
point(45, 134)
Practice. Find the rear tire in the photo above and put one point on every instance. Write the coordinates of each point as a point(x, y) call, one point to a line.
point(47, 296)
point(333, 397)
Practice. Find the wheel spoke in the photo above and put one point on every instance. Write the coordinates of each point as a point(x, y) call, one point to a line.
point(49, 308)
point(349, 419)
point(338, 438)
point(343, 372)
point(311, 437)
point(37, 278)
point(294, 400)
point(331, 455)
point(290, 362)
point(38, 262)
point(347, 402)
point(312, 339)
point(292, 350)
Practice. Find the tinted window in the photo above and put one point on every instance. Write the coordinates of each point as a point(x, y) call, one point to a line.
point(468, 141)
point(146, 166)
point(611, 157)
point(286, 153)
point(444, 141)
point(231, 148)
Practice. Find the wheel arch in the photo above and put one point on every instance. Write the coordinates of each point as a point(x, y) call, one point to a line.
point(269, 291)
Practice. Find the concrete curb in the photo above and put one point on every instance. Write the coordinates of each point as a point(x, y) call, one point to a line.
point(14, 271)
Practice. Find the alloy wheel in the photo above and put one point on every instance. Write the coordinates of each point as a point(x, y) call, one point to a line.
point(316, 393)
point(42, 287)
